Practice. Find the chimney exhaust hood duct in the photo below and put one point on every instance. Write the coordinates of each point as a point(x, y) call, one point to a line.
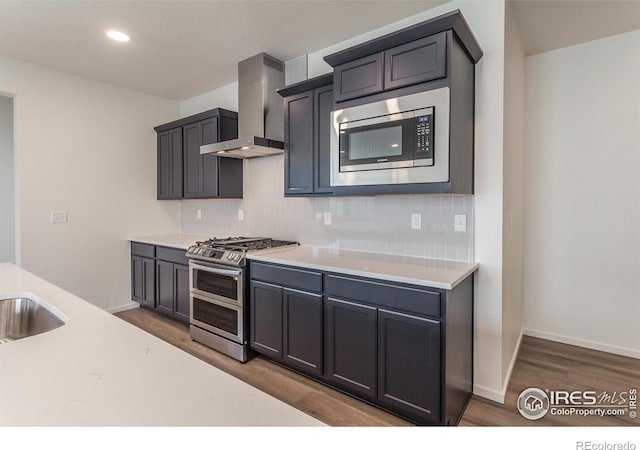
point(260, 111)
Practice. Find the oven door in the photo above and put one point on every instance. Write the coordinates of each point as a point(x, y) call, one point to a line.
point(218, 317)
point(219, 283)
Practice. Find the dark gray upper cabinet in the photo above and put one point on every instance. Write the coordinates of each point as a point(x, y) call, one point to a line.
point(358, 78)
point(188, 174)
point(307, 122)
point(416, 62)
point(170, 164)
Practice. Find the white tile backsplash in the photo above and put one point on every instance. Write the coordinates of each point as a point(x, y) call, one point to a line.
point(380, 224)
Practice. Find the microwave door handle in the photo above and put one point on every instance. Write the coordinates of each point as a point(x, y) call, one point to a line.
point(231, 273)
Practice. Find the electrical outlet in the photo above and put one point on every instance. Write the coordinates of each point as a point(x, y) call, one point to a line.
point(416, 221)
point(460, 222)
point(58, 217)
point(198, 214)
point(241, 214)
point(327, 218)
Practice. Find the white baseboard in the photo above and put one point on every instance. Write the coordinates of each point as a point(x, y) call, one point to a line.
point(117, 309)
point(632, 353)
point(488, 393)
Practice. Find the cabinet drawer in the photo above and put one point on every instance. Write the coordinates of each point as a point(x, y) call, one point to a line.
point(416, 62)
point(285, 276)
point(145, 250)
point(387, 295)
point(358, 78)
point(174, 255)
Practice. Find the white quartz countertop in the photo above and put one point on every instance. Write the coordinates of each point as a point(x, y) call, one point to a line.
point(436, 273)
point(175, 240)
point(99, 370)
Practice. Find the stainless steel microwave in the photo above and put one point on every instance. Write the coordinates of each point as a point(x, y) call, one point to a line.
point(395, 141)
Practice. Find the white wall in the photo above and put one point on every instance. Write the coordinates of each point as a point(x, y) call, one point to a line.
point(7, 190)
point(486, 19)
point(88, 148)
point(582, 221)
point(224, 97)
point(513, 195)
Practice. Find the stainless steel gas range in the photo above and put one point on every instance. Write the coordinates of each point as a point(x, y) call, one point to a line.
point(218, 291)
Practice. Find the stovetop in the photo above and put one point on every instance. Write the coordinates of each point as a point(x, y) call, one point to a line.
point(232, 250)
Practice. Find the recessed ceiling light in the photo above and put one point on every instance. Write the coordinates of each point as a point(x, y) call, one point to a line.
point(118, 36)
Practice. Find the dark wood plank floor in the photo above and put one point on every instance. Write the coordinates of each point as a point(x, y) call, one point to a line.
point(540, 363)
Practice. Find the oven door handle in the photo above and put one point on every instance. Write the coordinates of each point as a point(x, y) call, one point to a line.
point(231, 273)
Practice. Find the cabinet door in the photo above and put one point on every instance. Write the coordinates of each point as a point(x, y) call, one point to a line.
point(350, 346)
point(181, 280)
point(164, 165)
point(415, 62)
point(266, 319)
point(323, 105)
point(298, 146)
point(149, 282)
point(409, 364)
point(302, 330)
point(137, 279)
point(358, 78)
point(175, 163)
point(164, 287)
point(208, 134)
point(192, 158)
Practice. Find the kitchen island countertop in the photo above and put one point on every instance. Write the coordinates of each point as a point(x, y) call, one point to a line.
point(98, 370)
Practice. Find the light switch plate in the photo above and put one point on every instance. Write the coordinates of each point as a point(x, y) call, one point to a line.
point(241, 214)
point(198, 214)
point(327, 218)
point(58, 217)
point(460, 222)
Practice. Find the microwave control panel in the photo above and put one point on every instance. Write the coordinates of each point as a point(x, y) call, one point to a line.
point(424, 137)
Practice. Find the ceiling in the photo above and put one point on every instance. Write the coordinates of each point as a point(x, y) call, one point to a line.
point(180, 49)
point(553, 24)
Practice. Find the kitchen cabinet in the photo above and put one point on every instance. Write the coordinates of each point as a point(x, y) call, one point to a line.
point(439, 53)
point(307, 109)
point(351, 346)
point(409, 363)
point(143, 288)
point(411, 63)
point(170, 164)
point(286, 317)
point(266, 319)
point(183, 172)
point(160, 279)
point(404, 348)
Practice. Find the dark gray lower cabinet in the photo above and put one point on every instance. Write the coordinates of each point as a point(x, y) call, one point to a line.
point(405, 348)
point(266, 319)
point(302, 330)
point(409, 363)
point(160, 284)
point(172, 286)
point(143, 288)
point(165, 287)
point(350, 345)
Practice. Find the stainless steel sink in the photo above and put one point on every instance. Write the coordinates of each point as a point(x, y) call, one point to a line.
point(22, 317)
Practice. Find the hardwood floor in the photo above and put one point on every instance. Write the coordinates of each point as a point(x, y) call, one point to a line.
point(543, 364)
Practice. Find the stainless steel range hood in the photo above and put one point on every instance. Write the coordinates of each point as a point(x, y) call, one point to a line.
point(260, 111)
